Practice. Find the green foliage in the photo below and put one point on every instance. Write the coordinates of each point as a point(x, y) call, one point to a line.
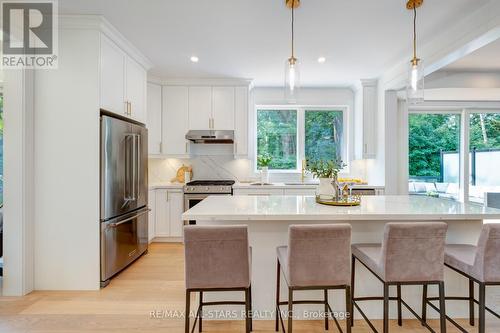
point(323, 135)
point(325, 169)
point(264, 160)
point(277, 137)
point(428, 135)
point(431, 133)
point(490, 137)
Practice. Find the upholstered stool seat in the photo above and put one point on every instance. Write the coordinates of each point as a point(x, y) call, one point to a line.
point(317, 258)
point(217, 258)
point(410, 254)
point(480, 264)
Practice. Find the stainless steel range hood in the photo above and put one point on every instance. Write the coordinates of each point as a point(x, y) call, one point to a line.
point(210, 136)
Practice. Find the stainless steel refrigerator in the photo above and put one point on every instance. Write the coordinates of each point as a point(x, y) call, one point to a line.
point(124, 194)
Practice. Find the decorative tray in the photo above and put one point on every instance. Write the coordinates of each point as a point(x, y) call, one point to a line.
point(351, 200)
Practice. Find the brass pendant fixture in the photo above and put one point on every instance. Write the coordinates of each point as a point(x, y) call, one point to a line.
point(415, 86)
point(292, 74)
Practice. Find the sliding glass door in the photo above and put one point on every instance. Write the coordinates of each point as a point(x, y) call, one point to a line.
point(484, 154)
point(434, 154)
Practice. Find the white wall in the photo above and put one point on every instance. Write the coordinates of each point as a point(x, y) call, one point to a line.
point(67, 166)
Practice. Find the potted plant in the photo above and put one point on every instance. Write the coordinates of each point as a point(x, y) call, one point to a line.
point(263, 162)
point(327, 172)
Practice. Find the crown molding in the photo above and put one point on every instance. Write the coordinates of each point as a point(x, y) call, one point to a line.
point(101, 24)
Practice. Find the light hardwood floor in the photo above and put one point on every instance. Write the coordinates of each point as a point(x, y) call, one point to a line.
point(154, 282)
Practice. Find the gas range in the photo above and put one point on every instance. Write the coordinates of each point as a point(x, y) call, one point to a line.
point(209, 187)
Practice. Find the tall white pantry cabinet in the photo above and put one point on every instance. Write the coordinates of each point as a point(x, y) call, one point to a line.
point(98, 68)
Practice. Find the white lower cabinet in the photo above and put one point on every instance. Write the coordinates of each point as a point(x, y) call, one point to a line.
point(168, 213)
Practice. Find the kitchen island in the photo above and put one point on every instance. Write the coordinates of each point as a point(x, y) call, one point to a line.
point(268, 219)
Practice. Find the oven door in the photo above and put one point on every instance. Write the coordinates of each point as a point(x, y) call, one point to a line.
point(191, 200)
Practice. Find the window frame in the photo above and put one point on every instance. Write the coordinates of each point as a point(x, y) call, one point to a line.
point(301, 135)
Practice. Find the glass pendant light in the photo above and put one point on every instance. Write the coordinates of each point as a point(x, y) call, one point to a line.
point(415, 86)
point(292, 71)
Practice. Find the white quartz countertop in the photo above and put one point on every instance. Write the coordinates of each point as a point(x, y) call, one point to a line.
point(295, 186)
point(166, 185)
point(303, 208)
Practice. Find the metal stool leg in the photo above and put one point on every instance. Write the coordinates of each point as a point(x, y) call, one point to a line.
point(186, 317)
point(200, 314)
point(250, 304)
point(290, 309)
point(400, 318)
point(353, 272)
point(326, 309)
point(348, 308)
point(247, 310)
point(386, 308)
point(424, 304)
point(442, 307)
point(471, 302)
point(482, 308)
point(277, 324)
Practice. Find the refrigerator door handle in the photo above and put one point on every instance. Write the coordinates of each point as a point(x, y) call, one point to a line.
point(134, 166)
point(114, 225)
point(138, 169)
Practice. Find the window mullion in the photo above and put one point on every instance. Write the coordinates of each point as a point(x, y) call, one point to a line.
point(464, 156)
point(301, 137)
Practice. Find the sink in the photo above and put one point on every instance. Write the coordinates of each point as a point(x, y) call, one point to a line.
point(261, 184)
point(305, 183)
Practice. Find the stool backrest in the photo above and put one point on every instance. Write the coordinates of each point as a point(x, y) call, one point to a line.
point(414, 251)
point(216, 257)
point(319, 255)
point(487, 259)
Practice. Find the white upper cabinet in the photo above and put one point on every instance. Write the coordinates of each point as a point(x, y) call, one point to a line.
point(175, 121)
point(154, 118)
point(136, 90)
point(112, 77)
point(223, 108)
point(241, 122)
point(200, 108)
point(123, 82)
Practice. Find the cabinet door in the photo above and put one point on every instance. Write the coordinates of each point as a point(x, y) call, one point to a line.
point(241, 122)
point(162, 208)
point(136, 89)
point(151, 216)
point(112, 77)
point(154, 118)
point(175, 121)
point(200, 108)
point(223, 108)
point(176, 200)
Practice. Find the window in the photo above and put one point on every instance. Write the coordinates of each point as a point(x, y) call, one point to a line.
point(323, 135)
point(434, 159)
point(484, 154)
point(289, 135)
point(277, 137)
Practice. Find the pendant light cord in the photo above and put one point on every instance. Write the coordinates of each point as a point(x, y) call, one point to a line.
point(414, 32)
point(293, 6)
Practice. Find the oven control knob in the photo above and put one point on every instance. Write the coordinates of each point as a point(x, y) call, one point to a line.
point(207, 188)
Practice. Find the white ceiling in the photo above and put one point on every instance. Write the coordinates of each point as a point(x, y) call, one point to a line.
point(250, 39)
point(485, 59)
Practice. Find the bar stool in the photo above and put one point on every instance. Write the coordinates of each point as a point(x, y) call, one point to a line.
point(217, 258)
point(411, 254)
point(480, 264)
point(317, 258)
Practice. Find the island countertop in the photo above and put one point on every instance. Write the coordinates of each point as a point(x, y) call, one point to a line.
point(300, 208)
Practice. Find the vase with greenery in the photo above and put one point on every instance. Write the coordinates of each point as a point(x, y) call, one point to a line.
point(327, 172)
point(263, 162)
